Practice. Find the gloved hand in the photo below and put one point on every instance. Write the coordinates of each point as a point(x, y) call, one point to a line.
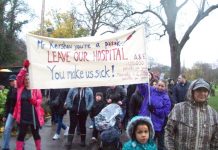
point(151, 108)
point(26, 63)
point(33, 101)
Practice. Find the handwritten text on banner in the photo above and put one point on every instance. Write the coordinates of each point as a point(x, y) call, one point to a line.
point(115, 59)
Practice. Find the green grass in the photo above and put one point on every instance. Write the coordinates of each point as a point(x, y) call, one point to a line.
point(213, 100)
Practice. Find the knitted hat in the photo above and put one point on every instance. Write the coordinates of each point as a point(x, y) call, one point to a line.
point(135, 121)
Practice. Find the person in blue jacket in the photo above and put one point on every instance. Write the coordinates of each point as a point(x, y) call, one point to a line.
point(157, 106)
point(141, 133)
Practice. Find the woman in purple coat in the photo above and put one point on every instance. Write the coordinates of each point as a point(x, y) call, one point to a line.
point(156, 105)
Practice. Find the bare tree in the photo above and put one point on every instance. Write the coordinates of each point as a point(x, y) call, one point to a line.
point(171, 9)
point(110, 14)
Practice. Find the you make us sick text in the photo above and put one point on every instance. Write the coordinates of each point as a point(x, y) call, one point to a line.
point(76, 73)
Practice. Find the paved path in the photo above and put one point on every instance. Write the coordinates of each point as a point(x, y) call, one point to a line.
point(47, 133)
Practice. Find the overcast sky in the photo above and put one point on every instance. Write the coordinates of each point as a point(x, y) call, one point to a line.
point(202, 45)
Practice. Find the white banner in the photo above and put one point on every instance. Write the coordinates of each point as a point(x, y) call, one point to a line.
point(115, 59)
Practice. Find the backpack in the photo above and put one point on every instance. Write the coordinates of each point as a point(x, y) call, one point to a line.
point(107, 117)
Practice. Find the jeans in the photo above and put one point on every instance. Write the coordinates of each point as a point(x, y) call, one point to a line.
point(60, 124)
point(7, 131)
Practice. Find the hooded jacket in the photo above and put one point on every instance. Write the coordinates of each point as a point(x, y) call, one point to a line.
point(36, 96)
point(192, 125)
point(161, 103)
point(132, 144)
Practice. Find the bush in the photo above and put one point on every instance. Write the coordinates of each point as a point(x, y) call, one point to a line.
point(3, 97)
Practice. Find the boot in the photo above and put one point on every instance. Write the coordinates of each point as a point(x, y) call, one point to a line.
point(83, 140)
point(38, 144)
point(19, 145)
point(68, 144)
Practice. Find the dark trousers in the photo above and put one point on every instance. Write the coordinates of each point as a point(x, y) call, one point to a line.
point(78, 119)
point(95, 133)
point(23, 130)
point(159, 138)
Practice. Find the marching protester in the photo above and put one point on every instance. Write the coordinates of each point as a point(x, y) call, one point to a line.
point(51, 95)
point(9, 109)
point(193, 124)
point(135, 103)
point(156, 105)
point(28, 111)
point(180, 89)
point(79, 101)
point(170, 88)
point(152, 79)
point(117, 94)
point(57, 103)
point(141, 133)
point(98, 105)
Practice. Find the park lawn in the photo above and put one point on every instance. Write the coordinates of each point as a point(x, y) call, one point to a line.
point(213, 100)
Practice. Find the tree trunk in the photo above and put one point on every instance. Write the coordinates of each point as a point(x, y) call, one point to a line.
point(175, 60)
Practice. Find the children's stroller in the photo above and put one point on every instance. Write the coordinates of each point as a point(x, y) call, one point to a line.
point(107, 122)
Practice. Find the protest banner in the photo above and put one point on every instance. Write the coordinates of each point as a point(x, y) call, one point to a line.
point(115, 59)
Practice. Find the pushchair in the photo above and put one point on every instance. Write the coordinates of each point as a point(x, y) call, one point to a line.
point(107, 122)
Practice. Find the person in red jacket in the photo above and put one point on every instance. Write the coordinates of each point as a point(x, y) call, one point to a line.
point(28, 111)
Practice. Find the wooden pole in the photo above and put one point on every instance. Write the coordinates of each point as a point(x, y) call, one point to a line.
point(42, 18)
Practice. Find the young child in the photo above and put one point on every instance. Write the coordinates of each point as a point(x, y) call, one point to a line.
point(141, 132)
point(98, 105)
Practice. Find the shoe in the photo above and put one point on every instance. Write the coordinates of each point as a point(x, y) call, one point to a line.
point(56, 136)
point(93, 139)
point(66, 131)
point(91, 127)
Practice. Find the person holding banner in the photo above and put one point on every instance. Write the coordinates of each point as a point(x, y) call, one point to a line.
point(28, 111)
point(79, 101)
point(157, 106)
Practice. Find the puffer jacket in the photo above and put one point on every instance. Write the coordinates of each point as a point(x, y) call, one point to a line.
point(159, 100)
point(36, 96)
point(192, 126)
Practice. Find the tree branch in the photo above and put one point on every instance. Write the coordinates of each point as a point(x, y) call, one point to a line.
point(154, 13)
point(197, 20)
point(179, 7)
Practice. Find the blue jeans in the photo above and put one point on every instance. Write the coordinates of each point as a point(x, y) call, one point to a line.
point(7, 131)
point(60, 124)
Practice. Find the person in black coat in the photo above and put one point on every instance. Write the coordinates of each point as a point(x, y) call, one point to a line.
point(135, 103)
point(117, 94)
point(60, 111)
point(180, 89)
point(98, 105)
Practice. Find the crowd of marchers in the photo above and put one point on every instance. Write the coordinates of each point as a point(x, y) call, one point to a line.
point(161, 114)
